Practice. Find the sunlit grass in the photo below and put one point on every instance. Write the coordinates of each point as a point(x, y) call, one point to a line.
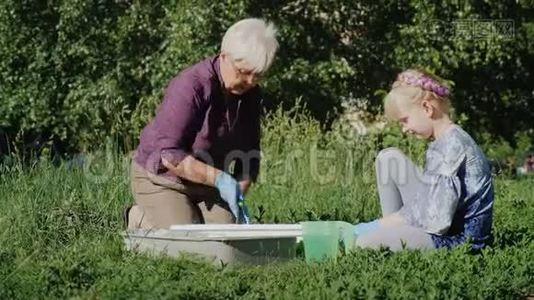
point(59, 230)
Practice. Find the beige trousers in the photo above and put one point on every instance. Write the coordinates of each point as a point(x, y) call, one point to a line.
point(160, 202)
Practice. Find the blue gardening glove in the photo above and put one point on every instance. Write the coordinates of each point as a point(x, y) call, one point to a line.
point(364, 228)
point(230, 191)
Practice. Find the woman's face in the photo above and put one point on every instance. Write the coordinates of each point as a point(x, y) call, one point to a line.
point(238, 77)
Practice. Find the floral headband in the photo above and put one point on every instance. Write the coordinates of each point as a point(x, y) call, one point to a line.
point(424, 82)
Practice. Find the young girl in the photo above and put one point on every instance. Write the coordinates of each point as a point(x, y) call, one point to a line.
point(447, 203)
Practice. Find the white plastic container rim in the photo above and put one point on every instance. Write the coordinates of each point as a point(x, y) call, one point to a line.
point(238, 231)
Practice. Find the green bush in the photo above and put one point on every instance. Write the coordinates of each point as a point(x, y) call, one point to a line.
point(75, 72)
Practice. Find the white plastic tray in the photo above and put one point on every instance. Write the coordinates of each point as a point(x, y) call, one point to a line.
point(227, 243)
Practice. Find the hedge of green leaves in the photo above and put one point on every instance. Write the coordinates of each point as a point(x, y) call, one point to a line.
point(74, 72)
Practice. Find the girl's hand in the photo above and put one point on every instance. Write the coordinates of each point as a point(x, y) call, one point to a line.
point(365, 228)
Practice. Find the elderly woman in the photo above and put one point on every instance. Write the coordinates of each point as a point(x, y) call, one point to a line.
point(200, 153)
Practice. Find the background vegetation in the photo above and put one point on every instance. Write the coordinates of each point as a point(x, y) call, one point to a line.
point(86, 75)
point(60, 228)
point(75, 72)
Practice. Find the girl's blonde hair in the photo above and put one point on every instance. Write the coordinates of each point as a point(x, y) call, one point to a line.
point(412, 87)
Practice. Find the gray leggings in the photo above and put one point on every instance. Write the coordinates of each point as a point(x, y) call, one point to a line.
point(398, 179)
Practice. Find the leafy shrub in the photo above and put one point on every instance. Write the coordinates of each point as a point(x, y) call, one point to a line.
point(75, 72)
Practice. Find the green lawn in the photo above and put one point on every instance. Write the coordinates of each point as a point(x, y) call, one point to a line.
point(59, 232)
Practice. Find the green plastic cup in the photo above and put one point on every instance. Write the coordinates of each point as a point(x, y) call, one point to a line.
point(346, 232)
point(321, 240)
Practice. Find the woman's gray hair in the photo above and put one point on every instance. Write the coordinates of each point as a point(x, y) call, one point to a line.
point(252, 41)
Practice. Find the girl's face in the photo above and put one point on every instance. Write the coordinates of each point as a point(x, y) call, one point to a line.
point(416, 119)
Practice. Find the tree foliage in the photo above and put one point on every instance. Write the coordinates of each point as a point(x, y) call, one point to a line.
point(75, 72)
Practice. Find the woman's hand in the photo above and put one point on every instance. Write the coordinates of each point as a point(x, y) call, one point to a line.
point(196, 171)
point(245, 185)
point(193, 170)
point(230, 191)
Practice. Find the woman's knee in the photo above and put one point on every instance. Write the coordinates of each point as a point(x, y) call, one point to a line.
point(216, 214)
point(165, 207)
